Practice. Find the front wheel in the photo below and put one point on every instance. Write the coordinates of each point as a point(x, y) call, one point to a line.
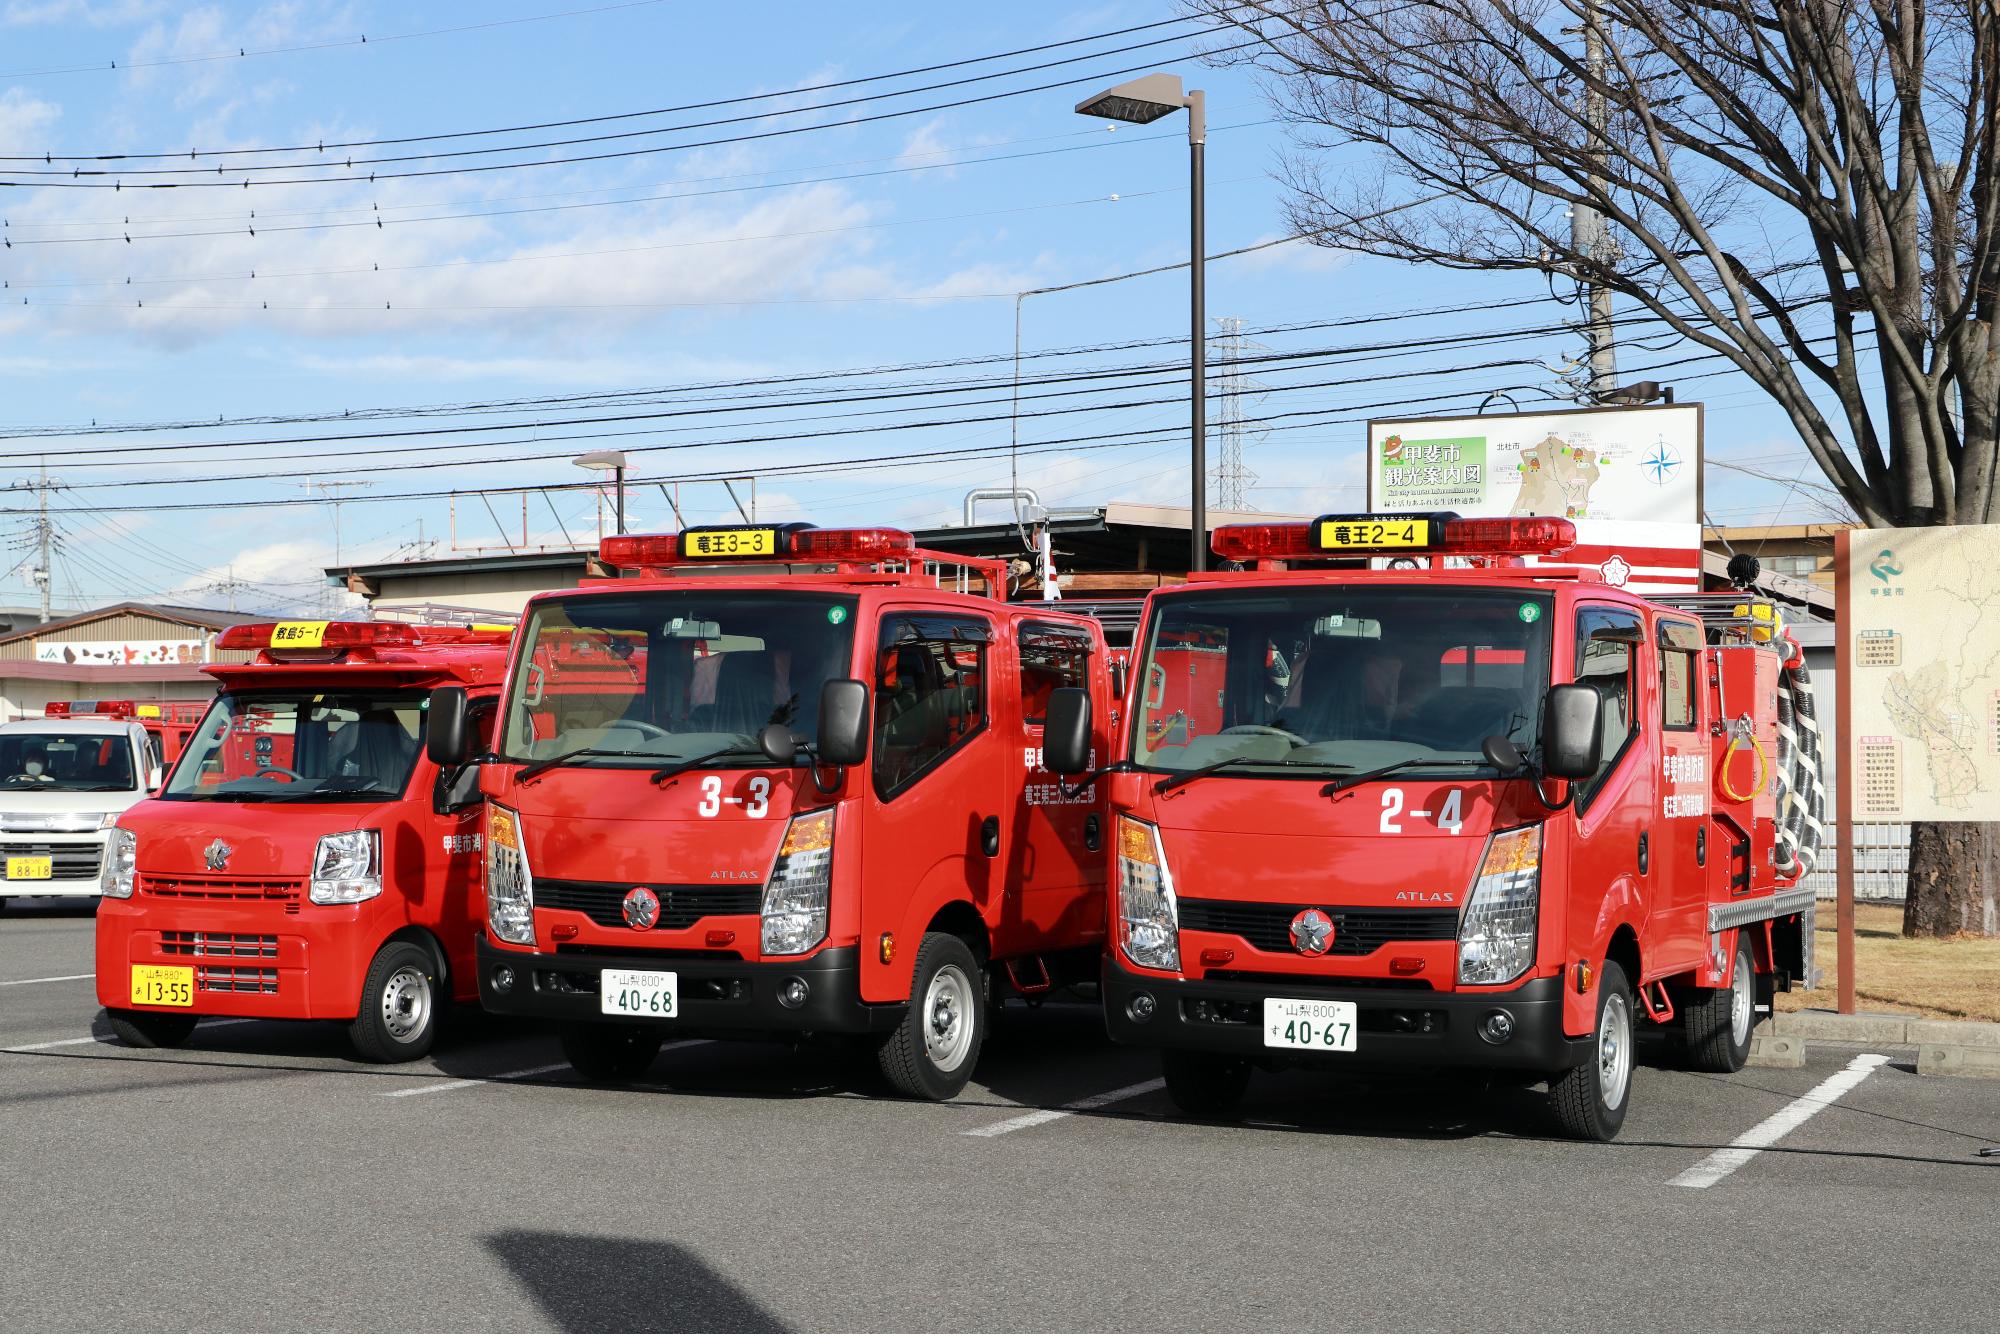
point(1715, 1030)
point(1204, 1084)
point(150, 1028)
point(609, 1053)
point(1589, 1100)
point(398, 1017)
point(931, 1053)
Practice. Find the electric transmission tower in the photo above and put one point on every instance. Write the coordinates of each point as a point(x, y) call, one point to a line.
point(1231, 479)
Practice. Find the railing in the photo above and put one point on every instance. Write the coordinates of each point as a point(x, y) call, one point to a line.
point(1881, 864)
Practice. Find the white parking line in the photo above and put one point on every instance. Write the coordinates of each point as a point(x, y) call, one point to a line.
point(1779, 1124)
point(30, 981)
point(107, 1041)
point(511, 1074)
point(1029, 1120)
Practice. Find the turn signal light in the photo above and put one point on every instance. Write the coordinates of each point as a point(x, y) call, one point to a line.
point(563, 932)
point(1217, 958)
point(1405, 966)
point(717, 939)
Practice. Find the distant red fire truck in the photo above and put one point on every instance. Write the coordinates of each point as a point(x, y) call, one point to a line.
point(1468, 813)
point(776, 781)
point(305, 859)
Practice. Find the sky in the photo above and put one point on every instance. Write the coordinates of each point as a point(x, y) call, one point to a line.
point(825, 303)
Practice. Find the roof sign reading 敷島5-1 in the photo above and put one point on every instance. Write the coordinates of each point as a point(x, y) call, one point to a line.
point(1922, 622)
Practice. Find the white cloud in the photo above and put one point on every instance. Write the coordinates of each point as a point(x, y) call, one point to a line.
point(96, 13)
point(1295, 257)
point(21, 115)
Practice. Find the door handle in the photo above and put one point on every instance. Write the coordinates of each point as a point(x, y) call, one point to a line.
point(1093, 834)
point(1701, 846)
point(989, 835)
point(1645, 857)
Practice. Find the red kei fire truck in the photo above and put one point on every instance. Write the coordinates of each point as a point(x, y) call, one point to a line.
point(1473, 812)
point(305, 859)
point(779, 781)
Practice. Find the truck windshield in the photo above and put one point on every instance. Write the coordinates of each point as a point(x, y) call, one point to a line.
point(1339, 679)
point(672, 675)
point(65, 762)
point(306, 745)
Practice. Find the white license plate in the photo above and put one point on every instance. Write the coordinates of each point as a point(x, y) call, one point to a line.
point(1309, 1025)
point(648, 995)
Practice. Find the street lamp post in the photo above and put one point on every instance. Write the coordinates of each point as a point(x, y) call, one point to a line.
point(613, 462)
point(1141, 102)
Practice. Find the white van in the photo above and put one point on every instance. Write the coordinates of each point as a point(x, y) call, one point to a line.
point(63, 783)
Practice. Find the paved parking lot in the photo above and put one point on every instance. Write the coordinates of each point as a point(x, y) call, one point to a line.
point(260, 1178)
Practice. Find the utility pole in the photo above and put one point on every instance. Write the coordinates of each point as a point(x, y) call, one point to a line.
point(331, 491)
point(1588, 235)
point(44, 570)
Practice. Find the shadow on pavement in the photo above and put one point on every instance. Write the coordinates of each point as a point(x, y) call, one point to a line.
point(595, 1283)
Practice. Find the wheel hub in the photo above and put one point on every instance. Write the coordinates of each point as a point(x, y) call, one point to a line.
point(948, 1018)
point(1614, 1051)
point(1740, 1003)
point(406, 1004)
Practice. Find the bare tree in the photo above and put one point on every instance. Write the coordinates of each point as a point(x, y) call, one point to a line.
point(1807, 188)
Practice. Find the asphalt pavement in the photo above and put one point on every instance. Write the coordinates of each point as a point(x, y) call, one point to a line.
point(261, 1178)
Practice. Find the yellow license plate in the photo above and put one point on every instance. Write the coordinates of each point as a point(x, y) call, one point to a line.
point(155, 984)
point(728, 543)
point(1373, 534)
point(30, 868)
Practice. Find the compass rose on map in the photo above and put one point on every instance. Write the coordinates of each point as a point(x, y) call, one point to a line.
point(1661, 463)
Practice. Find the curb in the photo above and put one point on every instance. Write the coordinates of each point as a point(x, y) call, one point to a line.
point(1944, 1046)
point(1965, 1062)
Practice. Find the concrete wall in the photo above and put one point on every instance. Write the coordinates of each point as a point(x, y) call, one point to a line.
point(496, 590)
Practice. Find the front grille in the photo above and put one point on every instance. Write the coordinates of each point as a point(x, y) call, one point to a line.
point(256, 981)
point(218, 945)
point(1356, 931)
point(223, 889)
point(67, 861)
point(1289, 984)
point(681, 906)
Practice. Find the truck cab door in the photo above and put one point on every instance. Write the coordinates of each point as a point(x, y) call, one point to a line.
point(934, 827)
point(1054, 893)
point(1689, 857)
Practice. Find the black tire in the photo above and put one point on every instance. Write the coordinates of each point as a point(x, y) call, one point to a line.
point(1716, 1024)
point(150, 1028)
point(1205, 1084)
point(402, 1002)
point(932, 1052)
point(1578, 1096)
point(610, 1053)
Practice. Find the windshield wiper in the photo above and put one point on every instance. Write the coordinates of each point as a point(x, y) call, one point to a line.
point(682, 766)
point(1169, 784)
point(540, 767)
point(1415, 762)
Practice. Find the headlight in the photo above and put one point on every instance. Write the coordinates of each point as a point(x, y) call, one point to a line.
point(121, 864)
point(347, 867)
point(1149, 929)
point(795, 897)
point(1496, 941)
point(510, 889)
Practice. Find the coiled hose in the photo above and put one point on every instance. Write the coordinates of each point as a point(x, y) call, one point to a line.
point(1801, 793)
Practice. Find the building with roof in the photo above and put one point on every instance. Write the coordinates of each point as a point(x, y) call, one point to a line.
point(129, 650)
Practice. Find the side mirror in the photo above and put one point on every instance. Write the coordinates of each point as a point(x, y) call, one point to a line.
point(1572, 732)
point(457, 790)
point(843, 723)
point(1066, 731)
point(778, 743)
point(447, 735)
point(1504, 755)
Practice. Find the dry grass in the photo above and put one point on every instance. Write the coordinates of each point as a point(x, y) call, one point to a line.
point(1937, 979)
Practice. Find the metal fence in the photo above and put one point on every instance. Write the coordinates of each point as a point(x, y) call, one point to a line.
point(1881, 864)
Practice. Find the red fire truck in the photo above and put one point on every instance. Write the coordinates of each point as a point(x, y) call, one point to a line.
point(169, 723)
point(781, 781)
point(305, 859)
point(1474, 812)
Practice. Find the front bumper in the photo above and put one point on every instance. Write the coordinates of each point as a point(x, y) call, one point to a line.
point(251, 960)
point(76, 864)
point(719, 996)
point(1396, 1026)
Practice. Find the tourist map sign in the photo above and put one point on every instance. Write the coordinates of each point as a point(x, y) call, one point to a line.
point(1921, 616)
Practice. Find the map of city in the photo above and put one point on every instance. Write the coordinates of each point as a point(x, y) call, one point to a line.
point(1556, 478)
point(1924, 610)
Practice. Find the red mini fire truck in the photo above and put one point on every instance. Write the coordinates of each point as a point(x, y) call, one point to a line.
point(305, 859)
point(1473, 812)
point(780, 781)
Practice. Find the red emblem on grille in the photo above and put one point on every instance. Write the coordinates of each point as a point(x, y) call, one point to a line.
point(642, 908)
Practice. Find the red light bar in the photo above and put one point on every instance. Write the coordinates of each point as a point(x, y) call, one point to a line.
point(632, 550)
point(80, 708)
point(310, 635)
point(852, 544)
point(1333, 535)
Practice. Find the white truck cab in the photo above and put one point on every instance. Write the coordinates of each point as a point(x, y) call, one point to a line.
point(64, 781)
